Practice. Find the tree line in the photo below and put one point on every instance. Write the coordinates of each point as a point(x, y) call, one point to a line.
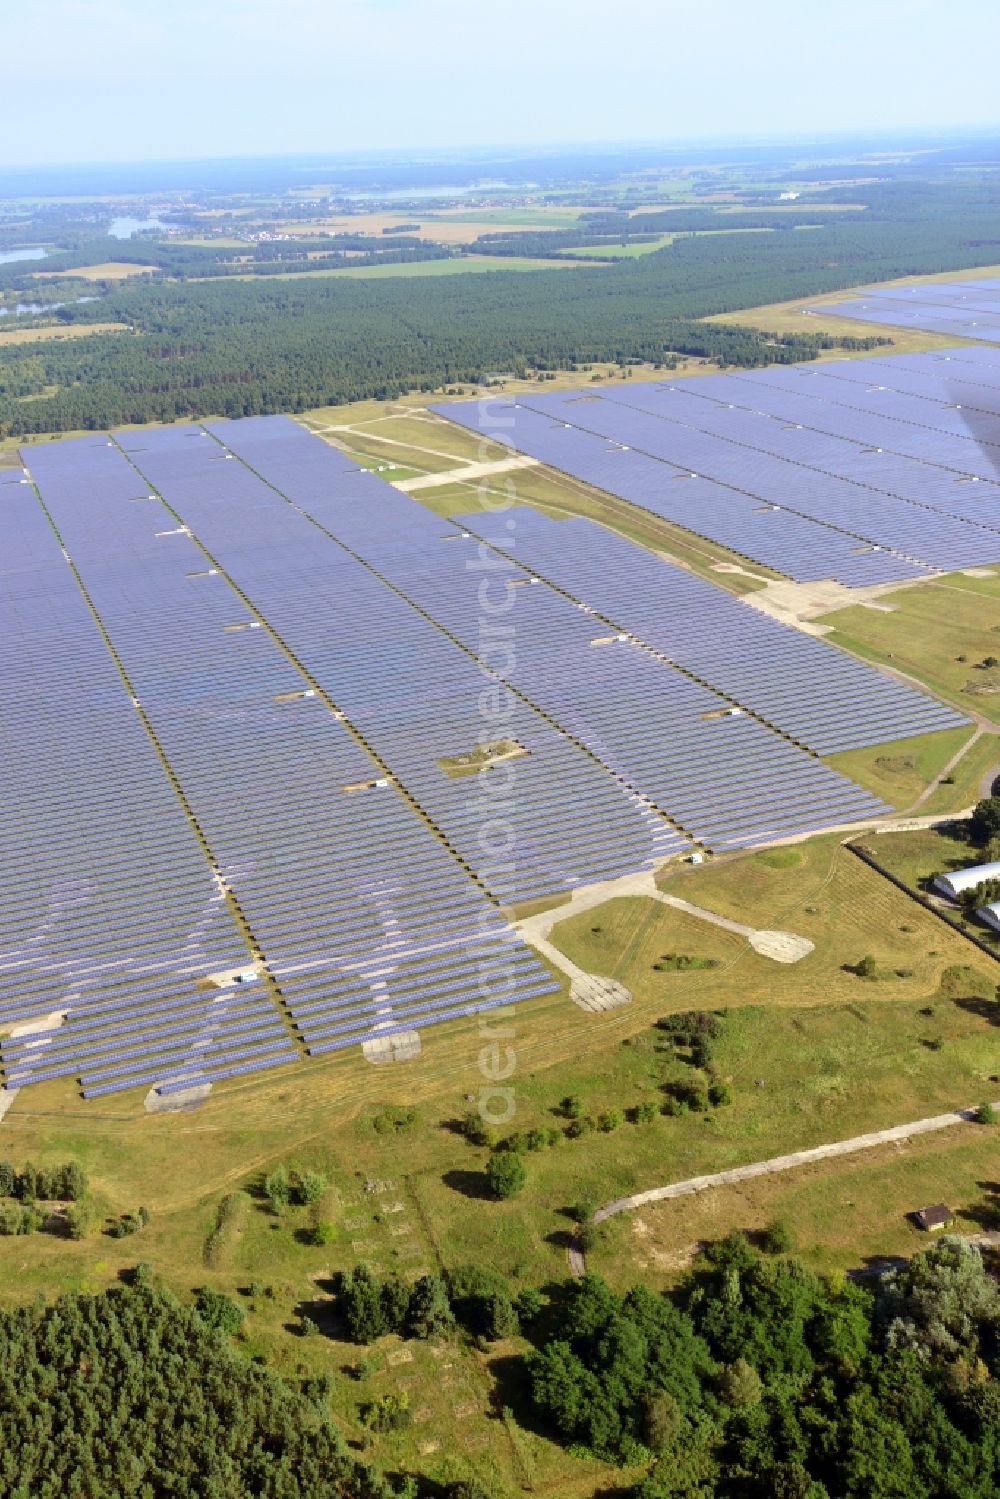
point(755, 1378)
point(233, 348)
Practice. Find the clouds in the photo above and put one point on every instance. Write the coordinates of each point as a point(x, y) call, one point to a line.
point(124, 78)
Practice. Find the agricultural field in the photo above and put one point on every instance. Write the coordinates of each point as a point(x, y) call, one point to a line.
point(108, 270)
point(456, 265)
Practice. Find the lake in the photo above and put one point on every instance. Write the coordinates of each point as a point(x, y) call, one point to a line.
point(28, 309)
point(26, 252)
point(125, 228)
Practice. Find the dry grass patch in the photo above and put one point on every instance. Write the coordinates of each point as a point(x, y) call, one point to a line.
point(107, 270)
point(57, 331)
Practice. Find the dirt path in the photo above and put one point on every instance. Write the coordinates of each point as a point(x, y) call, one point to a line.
point(468, 471)
point(593, 992)
point(786, 1162)
point(946, 770)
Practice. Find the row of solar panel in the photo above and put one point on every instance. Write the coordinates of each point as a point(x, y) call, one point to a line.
point(560, 670)
point(212, 707)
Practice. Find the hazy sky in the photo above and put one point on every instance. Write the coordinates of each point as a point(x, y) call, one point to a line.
point(127, 79)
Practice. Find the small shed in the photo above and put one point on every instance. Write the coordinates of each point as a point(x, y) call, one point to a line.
point(932, 1219)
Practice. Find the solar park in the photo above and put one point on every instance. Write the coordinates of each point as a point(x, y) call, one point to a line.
point(870, 471)
point(239, 668)
point(958, 309)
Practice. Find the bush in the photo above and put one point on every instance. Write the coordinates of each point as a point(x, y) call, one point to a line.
point(611, 1120)
point(15, 1219)
point(429, 1313)
point(777, 1237)
point(481, 1300)
point(646, 1111)
point(986, 1114)
point(866, 967)
point(217, 1310)
point(277, 1189)
point(309, 1188)
point(394, 1121)
point(572, 1106)
point(476, 1130)
point(719, 1094)
point(322, 1233)
point(586, 1235)
point(506, 1174)
point(388, 1413)
point(77, 1219)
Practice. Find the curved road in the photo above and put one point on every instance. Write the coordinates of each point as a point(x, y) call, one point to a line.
point(786, 1162)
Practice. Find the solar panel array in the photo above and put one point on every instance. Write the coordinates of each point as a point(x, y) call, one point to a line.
point(722, 776)
point(958, 309)
point(314, 655)
point(772, 467)
point(111, 918)
point(368, 923)
point(816, 695)
point(414, 695)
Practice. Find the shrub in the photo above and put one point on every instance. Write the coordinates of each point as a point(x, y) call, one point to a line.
point(866, 967)
point(986, 1114)
point(777, 1237)
point(389, 1412)
point(646, 1111)
point(429, 1313)
point(77, 1219)
point(217, 1310)
point(10, 1217)
point(322, 1233)
point(277, 1189)
point(506, 1173)
point(719, 1094)
point(610, 1120)
point(394, 1121)
point(476, 1130)
point(309, 1188)
point(586, 1235)
point(572, 1106)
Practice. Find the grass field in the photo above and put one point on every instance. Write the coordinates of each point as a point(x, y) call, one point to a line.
point(900, 770)
point(917, 856)
point(939, 632)
point(840, 1213)
point(799, 316)
point(816, 889)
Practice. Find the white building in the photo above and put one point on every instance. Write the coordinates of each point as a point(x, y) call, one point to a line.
point(953, 884)
point(990, 915)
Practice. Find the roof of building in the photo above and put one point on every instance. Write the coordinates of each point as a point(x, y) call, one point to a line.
point(966, 879)
point(990, 914)
point(934, 1216)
